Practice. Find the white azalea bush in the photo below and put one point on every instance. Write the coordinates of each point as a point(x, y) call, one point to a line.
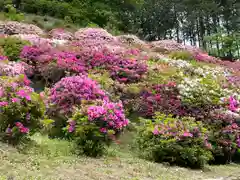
point(200, 91)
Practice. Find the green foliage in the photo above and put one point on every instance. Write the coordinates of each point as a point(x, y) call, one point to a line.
point(167, 139)
point(12, 13)
point(104, 80)
point(230, 43)
point(87, 137)
point(160, 73)
point(184, 55)
point(12, 47)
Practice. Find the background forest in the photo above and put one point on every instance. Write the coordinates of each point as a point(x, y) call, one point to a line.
point(213, 25)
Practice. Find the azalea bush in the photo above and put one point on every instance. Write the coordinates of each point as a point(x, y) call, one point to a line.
point(60, 34)
point(21, 109)
point(50, 64)
point(12, 47)
point(162, 97)
point(226, 143)
point(181, 142)
point(66, 95)
point(71, 91)
point(200, 91)
point(95, 126)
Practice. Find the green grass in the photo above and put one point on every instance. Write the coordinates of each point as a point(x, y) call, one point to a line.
point(50, 159)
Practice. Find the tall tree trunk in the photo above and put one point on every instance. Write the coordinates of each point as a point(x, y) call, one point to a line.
point(202, 32)
point(215, 23)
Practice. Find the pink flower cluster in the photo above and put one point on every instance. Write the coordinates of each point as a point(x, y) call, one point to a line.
point(94, 34)
point(71, 91)
point(162, 98)
point(21, 128)
point(11, 68)
point(204, 57)
point(229, 136)
point(177, 130)
point(3, 103)
point(3, 58)
point(110, 116)
point(233, 104)
point(23, 94)
point(60, 34)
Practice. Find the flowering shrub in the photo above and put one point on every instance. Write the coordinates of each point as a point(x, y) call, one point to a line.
point(12, 47)
point(71, 91)
point(177, 141)
point(51, 64)
point(21, 109)
point(33, 39)
point(205, 57)
point(15, 68)
point(96, 34)
point(97, 127)
point(128, 71)
point(13, 27)
point(121, 67)
point(61, 34)
point(163, 98)
point(200, 91)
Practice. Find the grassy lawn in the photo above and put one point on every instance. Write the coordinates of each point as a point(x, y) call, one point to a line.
point(52, 160)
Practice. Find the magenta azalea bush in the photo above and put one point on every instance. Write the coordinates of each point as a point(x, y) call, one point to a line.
point(163, 98)
point(71, 91)
point(97, 127)
point(21, 109)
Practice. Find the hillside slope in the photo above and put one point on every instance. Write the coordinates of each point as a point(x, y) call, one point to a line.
point(68, 95)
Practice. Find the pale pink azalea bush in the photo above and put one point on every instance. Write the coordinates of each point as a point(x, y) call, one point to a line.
point(33, 39)
point(14, 27)
point(97, 34)
point(60, 34)
point(15, 68)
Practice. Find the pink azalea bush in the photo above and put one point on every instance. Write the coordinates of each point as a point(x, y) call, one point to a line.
point(175, 141)
point(204, 57)
point(97, 127)
point(51, 64)
point(21, 109)
point(123, 68)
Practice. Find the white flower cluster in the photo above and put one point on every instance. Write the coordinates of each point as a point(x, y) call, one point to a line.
point(37, 40)
point(197, 91)
point(203, 71)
